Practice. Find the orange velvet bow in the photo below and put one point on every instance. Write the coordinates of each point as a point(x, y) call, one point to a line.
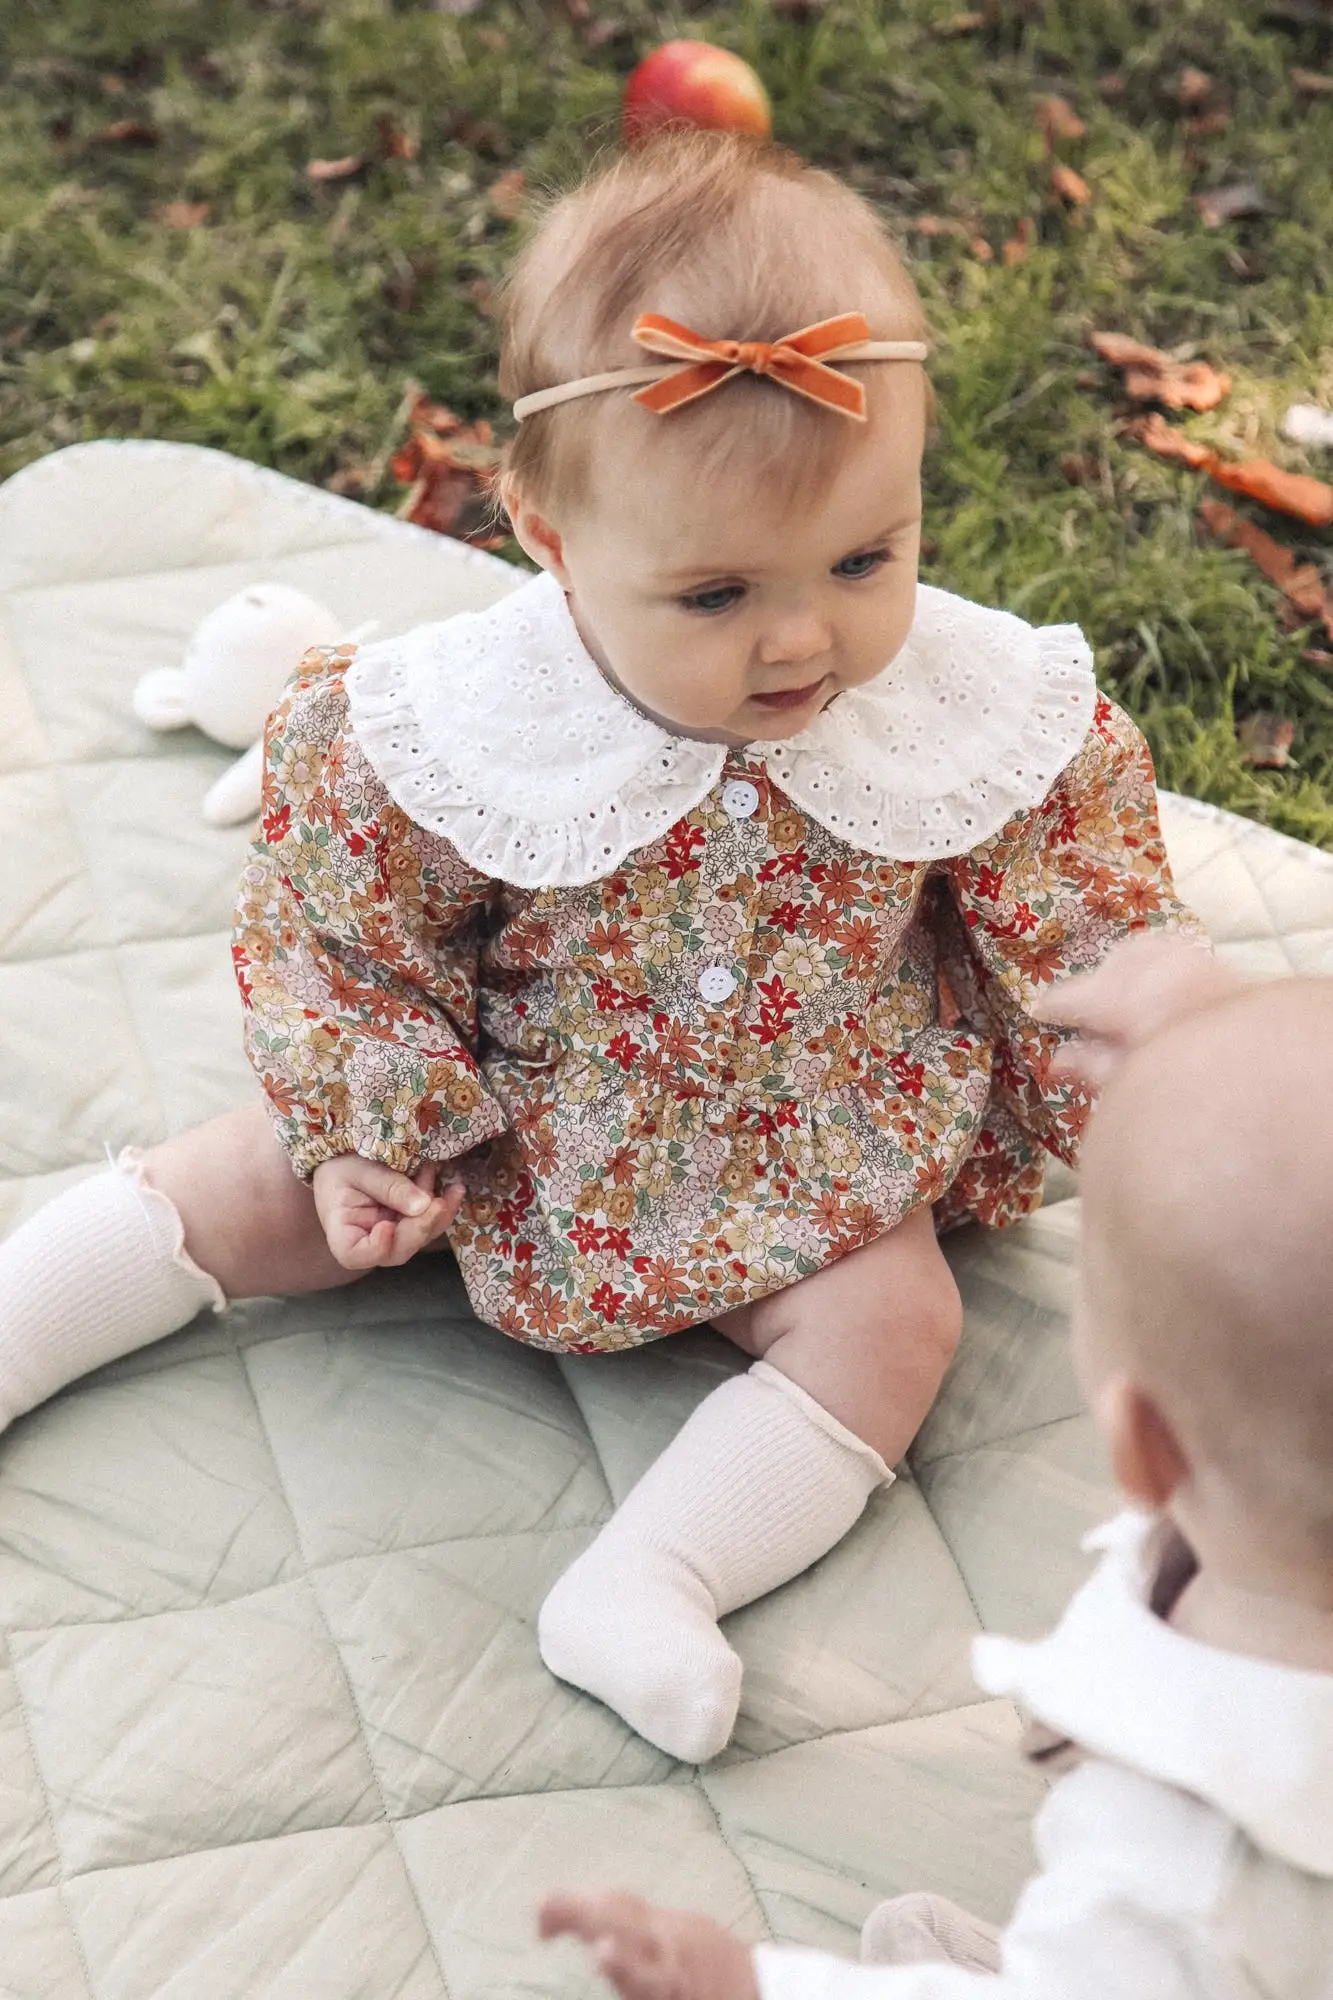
point(792, 361)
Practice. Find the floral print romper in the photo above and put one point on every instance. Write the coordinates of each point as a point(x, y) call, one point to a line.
point(692, 1021)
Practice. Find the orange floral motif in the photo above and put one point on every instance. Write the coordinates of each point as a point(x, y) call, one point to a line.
point(637, 1156)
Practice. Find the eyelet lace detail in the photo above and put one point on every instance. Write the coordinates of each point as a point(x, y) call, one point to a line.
point(973, 721)
point(496, 730)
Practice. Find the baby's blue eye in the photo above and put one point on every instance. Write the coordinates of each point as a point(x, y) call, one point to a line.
point(862, 565)
point(721, 597)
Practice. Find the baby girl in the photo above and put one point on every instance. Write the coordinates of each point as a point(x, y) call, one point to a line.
point(1187, 1696)
point(666, 937)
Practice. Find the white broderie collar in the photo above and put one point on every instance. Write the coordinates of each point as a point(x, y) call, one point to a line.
point(1252, 1738)
point(497, 730)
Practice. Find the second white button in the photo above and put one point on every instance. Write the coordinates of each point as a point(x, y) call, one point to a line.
point(740, 798)
point(716, 985)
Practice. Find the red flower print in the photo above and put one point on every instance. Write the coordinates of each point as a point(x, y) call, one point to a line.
point(585, 1236)
point(606, 1302)
point(623, 1049)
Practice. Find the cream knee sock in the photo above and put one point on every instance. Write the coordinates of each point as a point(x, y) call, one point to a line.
point(921, 1929)
point(99, 1271)
point(758, 1484)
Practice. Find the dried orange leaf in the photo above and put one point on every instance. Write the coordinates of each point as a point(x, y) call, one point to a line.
point(1265, 740)
point(1285, 492)
point(1154, 377)
point(1300, 583)
point(182, 214)
point(1295, 493)
point(970, 23)
point(1227, 204)
point(335, 170)
point(507, 194)
point(1057, 119)
point(1018, 245)
point(1070, 187)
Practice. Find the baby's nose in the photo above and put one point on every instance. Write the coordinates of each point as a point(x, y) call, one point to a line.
point(800, 635)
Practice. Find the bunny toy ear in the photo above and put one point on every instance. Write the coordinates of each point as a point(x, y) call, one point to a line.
point(159, 699)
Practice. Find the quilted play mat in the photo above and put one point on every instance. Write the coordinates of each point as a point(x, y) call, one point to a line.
point(272, 1720)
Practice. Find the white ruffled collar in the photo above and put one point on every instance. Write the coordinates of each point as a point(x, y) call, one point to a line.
point(497, 730)
point(1252, 1738)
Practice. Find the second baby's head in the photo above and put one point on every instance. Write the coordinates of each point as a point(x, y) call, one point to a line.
point(736, 563)
point(1205, 1326)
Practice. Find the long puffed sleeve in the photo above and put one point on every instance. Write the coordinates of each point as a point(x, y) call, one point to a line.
point(1048, 897)
point(356, 947)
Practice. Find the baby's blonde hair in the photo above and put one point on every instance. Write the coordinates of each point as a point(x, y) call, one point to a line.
point(740, 241)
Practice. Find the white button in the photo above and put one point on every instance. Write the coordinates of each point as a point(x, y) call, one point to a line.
point(740, 798)
point(716, 985)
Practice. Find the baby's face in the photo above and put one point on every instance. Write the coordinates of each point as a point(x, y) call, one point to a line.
point(729, 614)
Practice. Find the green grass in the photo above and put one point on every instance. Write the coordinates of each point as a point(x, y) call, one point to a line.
point(284, 328)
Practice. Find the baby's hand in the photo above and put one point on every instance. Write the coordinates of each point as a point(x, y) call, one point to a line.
point(374, 1216)
point(1145, 984)
point(652, 1954)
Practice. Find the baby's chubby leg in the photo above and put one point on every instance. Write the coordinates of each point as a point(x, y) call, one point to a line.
point(126, 1257)
point(768, 1475)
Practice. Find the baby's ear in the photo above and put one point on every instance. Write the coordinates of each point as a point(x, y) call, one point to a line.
point(535, 535)
point(1147, 1457)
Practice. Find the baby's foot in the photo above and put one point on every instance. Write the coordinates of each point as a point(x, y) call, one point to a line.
point(633, 1626)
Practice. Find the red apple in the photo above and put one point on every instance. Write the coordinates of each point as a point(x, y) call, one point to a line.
point(693, 83)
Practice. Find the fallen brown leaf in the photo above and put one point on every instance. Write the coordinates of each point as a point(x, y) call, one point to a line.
point(1111, 87)
point(1312, 82)
point(394, 143)
point(1080, 468)
point(1265, 740)
point(1228, 204)
point(1193, 86)
point(506, 196)
point(335, 170)
point(449, 467)
point(1057, 119)
point(128, 132)
point(1154, 377)
point(969, 23)
point(1208, 124)
point(1300, 583)
point(1015, 250)
point(1070, 187)
point(182, 214)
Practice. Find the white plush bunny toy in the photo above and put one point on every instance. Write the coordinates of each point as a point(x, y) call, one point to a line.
point(235, 667)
